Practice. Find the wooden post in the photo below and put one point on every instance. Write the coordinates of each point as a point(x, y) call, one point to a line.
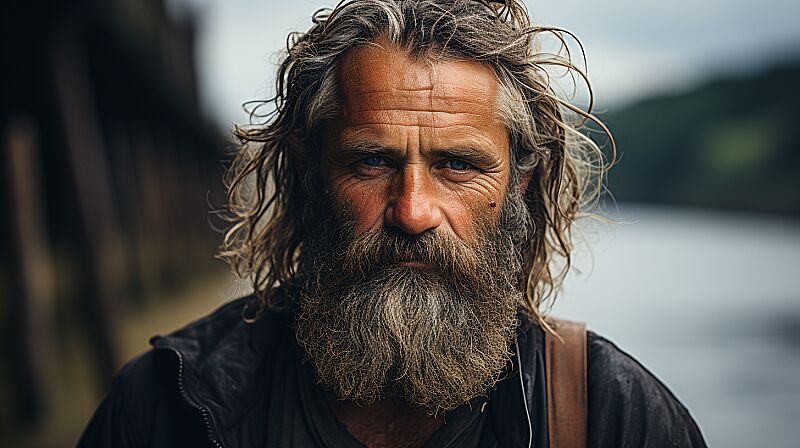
point(98, 238)
point(30, 265)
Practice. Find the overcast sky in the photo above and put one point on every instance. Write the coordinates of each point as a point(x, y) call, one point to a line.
point(634, 48)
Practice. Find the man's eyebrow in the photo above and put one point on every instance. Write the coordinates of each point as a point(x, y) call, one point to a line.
point(362, 148)
point(469, 153)
point(473, 154)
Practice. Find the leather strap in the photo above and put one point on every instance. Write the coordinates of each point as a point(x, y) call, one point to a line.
point(565, 372)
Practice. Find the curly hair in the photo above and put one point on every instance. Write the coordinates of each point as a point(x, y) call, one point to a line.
point(266, 189)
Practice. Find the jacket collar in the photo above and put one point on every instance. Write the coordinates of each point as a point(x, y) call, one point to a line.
point(222, 371)
point(221, 363)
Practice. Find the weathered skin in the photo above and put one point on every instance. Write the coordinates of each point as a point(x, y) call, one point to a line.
point(418, 146)
point(439, 153)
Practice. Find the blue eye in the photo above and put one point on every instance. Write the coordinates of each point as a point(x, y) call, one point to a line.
point(373, 161)
point(458, 165)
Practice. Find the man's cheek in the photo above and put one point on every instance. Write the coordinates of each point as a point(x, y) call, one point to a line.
point(364, 206)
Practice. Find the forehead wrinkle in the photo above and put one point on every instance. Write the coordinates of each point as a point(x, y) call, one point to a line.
point(467, 138)
point(467, 134)
point(443, 105)
point(388, 69)
point(382, 86)
point(448, 91)
point(368, 126)
point(453, 106)
point(417, 122)
point(444, 98)
point(433, 110)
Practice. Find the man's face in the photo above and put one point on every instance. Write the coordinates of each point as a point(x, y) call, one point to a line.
point(418, 145)
point(409, 275)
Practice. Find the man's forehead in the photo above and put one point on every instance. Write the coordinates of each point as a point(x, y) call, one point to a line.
point(384, 72)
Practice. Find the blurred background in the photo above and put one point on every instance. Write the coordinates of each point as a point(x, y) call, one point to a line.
point(115, 121)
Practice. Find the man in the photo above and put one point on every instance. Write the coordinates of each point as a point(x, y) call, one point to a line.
point(399, 215)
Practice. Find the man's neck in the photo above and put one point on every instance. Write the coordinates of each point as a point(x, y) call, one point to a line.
point(387, 423)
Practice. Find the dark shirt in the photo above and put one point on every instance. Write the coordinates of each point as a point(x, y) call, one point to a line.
point(462, 427)
point(222, 382)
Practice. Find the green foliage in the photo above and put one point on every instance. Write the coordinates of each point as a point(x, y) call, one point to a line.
point(731, 143)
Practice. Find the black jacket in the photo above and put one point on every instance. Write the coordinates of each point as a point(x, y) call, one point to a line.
point(212, 383)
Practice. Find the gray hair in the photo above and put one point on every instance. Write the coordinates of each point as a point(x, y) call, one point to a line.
point(564, 166)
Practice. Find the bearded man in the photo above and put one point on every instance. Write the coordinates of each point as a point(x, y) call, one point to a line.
point(401, 215)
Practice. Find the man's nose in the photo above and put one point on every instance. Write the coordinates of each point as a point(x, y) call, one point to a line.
point(413, 207)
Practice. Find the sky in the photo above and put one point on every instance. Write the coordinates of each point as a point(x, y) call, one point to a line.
point(635, 48)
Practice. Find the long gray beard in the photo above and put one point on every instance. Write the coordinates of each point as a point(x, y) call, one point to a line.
point(435, 338)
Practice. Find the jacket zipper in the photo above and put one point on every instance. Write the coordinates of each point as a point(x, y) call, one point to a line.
point(208, 419)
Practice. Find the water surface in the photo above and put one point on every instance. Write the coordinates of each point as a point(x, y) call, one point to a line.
point(709, 302)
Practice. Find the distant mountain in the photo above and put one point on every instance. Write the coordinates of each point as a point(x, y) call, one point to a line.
point(731, 143)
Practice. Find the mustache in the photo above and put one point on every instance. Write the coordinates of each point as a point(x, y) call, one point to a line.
point(386, 248)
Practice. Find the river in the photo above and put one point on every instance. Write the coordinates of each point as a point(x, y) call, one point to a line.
point(709, 302)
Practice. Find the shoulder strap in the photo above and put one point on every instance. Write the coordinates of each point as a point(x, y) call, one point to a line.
point(565, 372)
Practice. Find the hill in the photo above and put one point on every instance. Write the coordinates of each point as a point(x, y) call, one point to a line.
point(731, 143)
